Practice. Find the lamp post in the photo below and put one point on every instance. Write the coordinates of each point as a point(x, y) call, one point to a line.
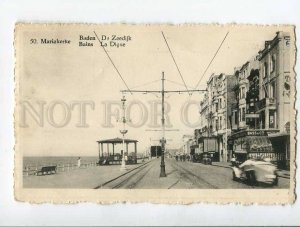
point(123, 132)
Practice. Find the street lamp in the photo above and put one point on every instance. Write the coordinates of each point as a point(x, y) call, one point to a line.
point(123, 132)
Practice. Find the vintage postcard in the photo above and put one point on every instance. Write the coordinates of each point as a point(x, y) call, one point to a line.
point(175, 114)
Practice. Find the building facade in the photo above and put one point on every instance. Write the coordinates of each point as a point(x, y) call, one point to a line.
point(215, 111)
point(274, 93)
point(247, 114)
point(260, 118)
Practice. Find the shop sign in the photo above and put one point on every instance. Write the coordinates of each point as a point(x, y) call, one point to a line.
point(254, 133)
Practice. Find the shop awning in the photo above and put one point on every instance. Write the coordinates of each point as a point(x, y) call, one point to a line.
point(281, 134)
point(259, 144)
point(240, 151)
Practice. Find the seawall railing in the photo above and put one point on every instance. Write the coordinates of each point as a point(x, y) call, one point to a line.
point(30, 170)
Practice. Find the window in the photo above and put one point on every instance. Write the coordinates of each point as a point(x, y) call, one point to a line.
point(243, 92)
point(273, 63)
point(265, 73)
point(264, 91)
point(220, 122)
point(243, 114)
point(240, 114)
point(272, 90)
point(235, 117)
point(272, 119)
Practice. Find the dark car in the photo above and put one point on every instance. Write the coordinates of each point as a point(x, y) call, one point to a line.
point(196, 158)
point(206, 159)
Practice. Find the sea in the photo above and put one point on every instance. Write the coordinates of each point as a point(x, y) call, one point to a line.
point(37, 161)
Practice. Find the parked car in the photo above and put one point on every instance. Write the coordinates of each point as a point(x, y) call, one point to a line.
point(256, 171)
point(206, 159)
point(196, 158)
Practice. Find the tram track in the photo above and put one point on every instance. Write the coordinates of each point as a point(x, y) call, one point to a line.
point(194, 179)
point(134, 184)
point(124, 175)
point(127, 179)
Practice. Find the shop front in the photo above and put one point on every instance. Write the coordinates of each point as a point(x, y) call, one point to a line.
point(255, 144)
point(281, 144)
point(209, 145)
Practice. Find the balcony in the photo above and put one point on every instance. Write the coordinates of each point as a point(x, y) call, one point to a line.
point(220, 89)
point(214, 99)
point(266, 102)
point(215, 114)
point(252, 93)
point(221, 131)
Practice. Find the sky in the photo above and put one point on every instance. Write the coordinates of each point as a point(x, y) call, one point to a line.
point(70, 73)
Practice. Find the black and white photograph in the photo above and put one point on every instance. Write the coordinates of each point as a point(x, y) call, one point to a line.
point(155, 107)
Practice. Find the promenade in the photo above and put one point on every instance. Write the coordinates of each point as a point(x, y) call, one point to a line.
point(89, 177)
point(145, 175)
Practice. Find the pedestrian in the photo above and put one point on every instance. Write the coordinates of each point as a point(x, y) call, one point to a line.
point(78, 162)
point(233, 160)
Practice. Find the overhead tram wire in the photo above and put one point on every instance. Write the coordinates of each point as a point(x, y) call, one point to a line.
point(113, 63)
point(162, 92)
point(212, 60)
point(174, 82)
point(141, 85)
point(175, 62)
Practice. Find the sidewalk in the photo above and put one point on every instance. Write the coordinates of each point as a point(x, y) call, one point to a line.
point(281, 173)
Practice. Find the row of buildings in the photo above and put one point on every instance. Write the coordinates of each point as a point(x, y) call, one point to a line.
point(247, 114)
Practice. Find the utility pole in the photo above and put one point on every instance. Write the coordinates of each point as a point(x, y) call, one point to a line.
point(163, 140)
point(162, 92)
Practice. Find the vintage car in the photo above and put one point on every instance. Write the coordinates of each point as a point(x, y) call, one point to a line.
point(256, 171)
point(197, 158)
point(206, 159)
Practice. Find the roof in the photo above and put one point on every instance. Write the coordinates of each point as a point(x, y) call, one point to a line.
point(117, 140)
